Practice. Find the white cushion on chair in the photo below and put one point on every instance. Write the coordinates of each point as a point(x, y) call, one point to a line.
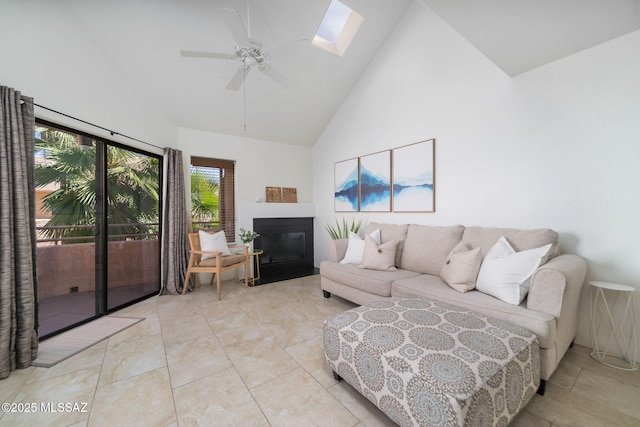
point(213, 242)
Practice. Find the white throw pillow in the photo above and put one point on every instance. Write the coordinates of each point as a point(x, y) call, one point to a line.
point(379, 256)
point(355, 247)
point(505, 273)
point(213, 242)
point(461, 267)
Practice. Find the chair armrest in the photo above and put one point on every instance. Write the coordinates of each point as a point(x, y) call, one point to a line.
point(245, 247)
point(216, 253)
point(206, 252)
point(556, 286)
point(337, 249)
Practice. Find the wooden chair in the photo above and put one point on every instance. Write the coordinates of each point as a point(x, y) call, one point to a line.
point(215, 265)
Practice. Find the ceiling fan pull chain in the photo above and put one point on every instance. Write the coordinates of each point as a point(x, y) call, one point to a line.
point(248, 21)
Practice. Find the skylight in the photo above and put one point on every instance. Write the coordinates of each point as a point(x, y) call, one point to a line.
point(334, 21)
point(338, 27)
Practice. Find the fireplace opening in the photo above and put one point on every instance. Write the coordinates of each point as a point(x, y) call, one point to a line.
point(287, 245)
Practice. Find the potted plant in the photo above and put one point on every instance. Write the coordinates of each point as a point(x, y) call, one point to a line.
point(247, 237)
point(341, 229)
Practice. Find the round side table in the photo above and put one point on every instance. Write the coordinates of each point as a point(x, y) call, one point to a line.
point(603, 324)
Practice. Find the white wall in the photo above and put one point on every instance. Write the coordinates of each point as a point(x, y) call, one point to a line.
point(259, 164)
point(556, 147)
point(49, 55)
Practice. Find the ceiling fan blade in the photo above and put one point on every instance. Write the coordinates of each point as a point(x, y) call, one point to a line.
point(236, 27)
point(238, 78)
point(286, 50)
point(196, 54)
point(276, 76)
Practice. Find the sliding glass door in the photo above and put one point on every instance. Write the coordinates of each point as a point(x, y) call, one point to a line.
point(98, 226)
point(65, 220)
point(133, 245)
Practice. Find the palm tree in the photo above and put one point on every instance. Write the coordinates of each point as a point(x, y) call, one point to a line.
point(132, 191)
point(204, 198)
point(132, 186)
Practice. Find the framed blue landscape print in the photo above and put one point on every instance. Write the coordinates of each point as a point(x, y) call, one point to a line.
point(375, 182)
point(345, 193)
point(413, 177)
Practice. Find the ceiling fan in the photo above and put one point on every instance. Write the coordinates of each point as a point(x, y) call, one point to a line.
point(250, 52)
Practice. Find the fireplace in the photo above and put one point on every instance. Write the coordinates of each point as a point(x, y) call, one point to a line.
point(287, 245)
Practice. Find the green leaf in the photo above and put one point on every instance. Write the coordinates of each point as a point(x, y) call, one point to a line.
point(342, 228)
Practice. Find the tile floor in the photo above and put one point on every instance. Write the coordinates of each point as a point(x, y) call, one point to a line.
point(255, 359)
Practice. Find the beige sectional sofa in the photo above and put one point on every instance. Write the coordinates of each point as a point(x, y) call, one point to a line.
point(550, 310)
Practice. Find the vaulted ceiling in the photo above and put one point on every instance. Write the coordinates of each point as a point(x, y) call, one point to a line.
point(144, 38)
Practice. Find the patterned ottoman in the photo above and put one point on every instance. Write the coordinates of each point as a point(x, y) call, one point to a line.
point(428, 363)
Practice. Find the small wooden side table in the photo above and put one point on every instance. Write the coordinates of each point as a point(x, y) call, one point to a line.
point(254, 258)
point(624, 332)
point(254, 262)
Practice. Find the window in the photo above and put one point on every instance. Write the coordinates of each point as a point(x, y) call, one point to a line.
point(338, 28)
point(212, 195)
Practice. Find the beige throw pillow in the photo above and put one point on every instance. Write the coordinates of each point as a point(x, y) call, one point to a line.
point(461, 268)
point(378, 256)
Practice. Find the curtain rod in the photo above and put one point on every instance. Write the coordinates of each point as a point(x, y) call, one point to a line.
point(99, 127)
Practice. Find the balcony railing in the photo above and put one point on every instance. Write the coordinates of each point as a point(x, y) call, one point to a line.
point(153, 232)
point(66, 263)
point(58, 239)
point(205, 225)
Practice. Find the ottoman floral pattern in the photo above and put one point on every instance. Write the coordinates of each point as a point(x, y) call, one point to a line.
point(429, 363)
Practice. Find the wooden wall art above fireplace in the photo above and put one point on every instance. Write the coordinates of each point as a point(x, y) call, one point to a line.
point(282, 195)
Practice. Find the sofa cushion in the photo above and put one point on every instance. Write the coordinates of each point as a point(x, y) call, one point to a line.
point(379, 256)
point(461, 268)
point(389, 232)
point(505, 273)
point(426, 247)
point(428, 286)
point(520, 240)
point(374, 281)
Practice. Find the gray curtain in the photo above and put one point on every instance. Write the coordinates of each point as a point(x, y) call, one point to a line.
point(18, 297)
point(175, 224)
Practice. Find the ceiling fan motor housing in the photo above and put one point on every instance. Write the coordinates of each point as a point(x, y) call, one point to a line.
point(253, 54)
